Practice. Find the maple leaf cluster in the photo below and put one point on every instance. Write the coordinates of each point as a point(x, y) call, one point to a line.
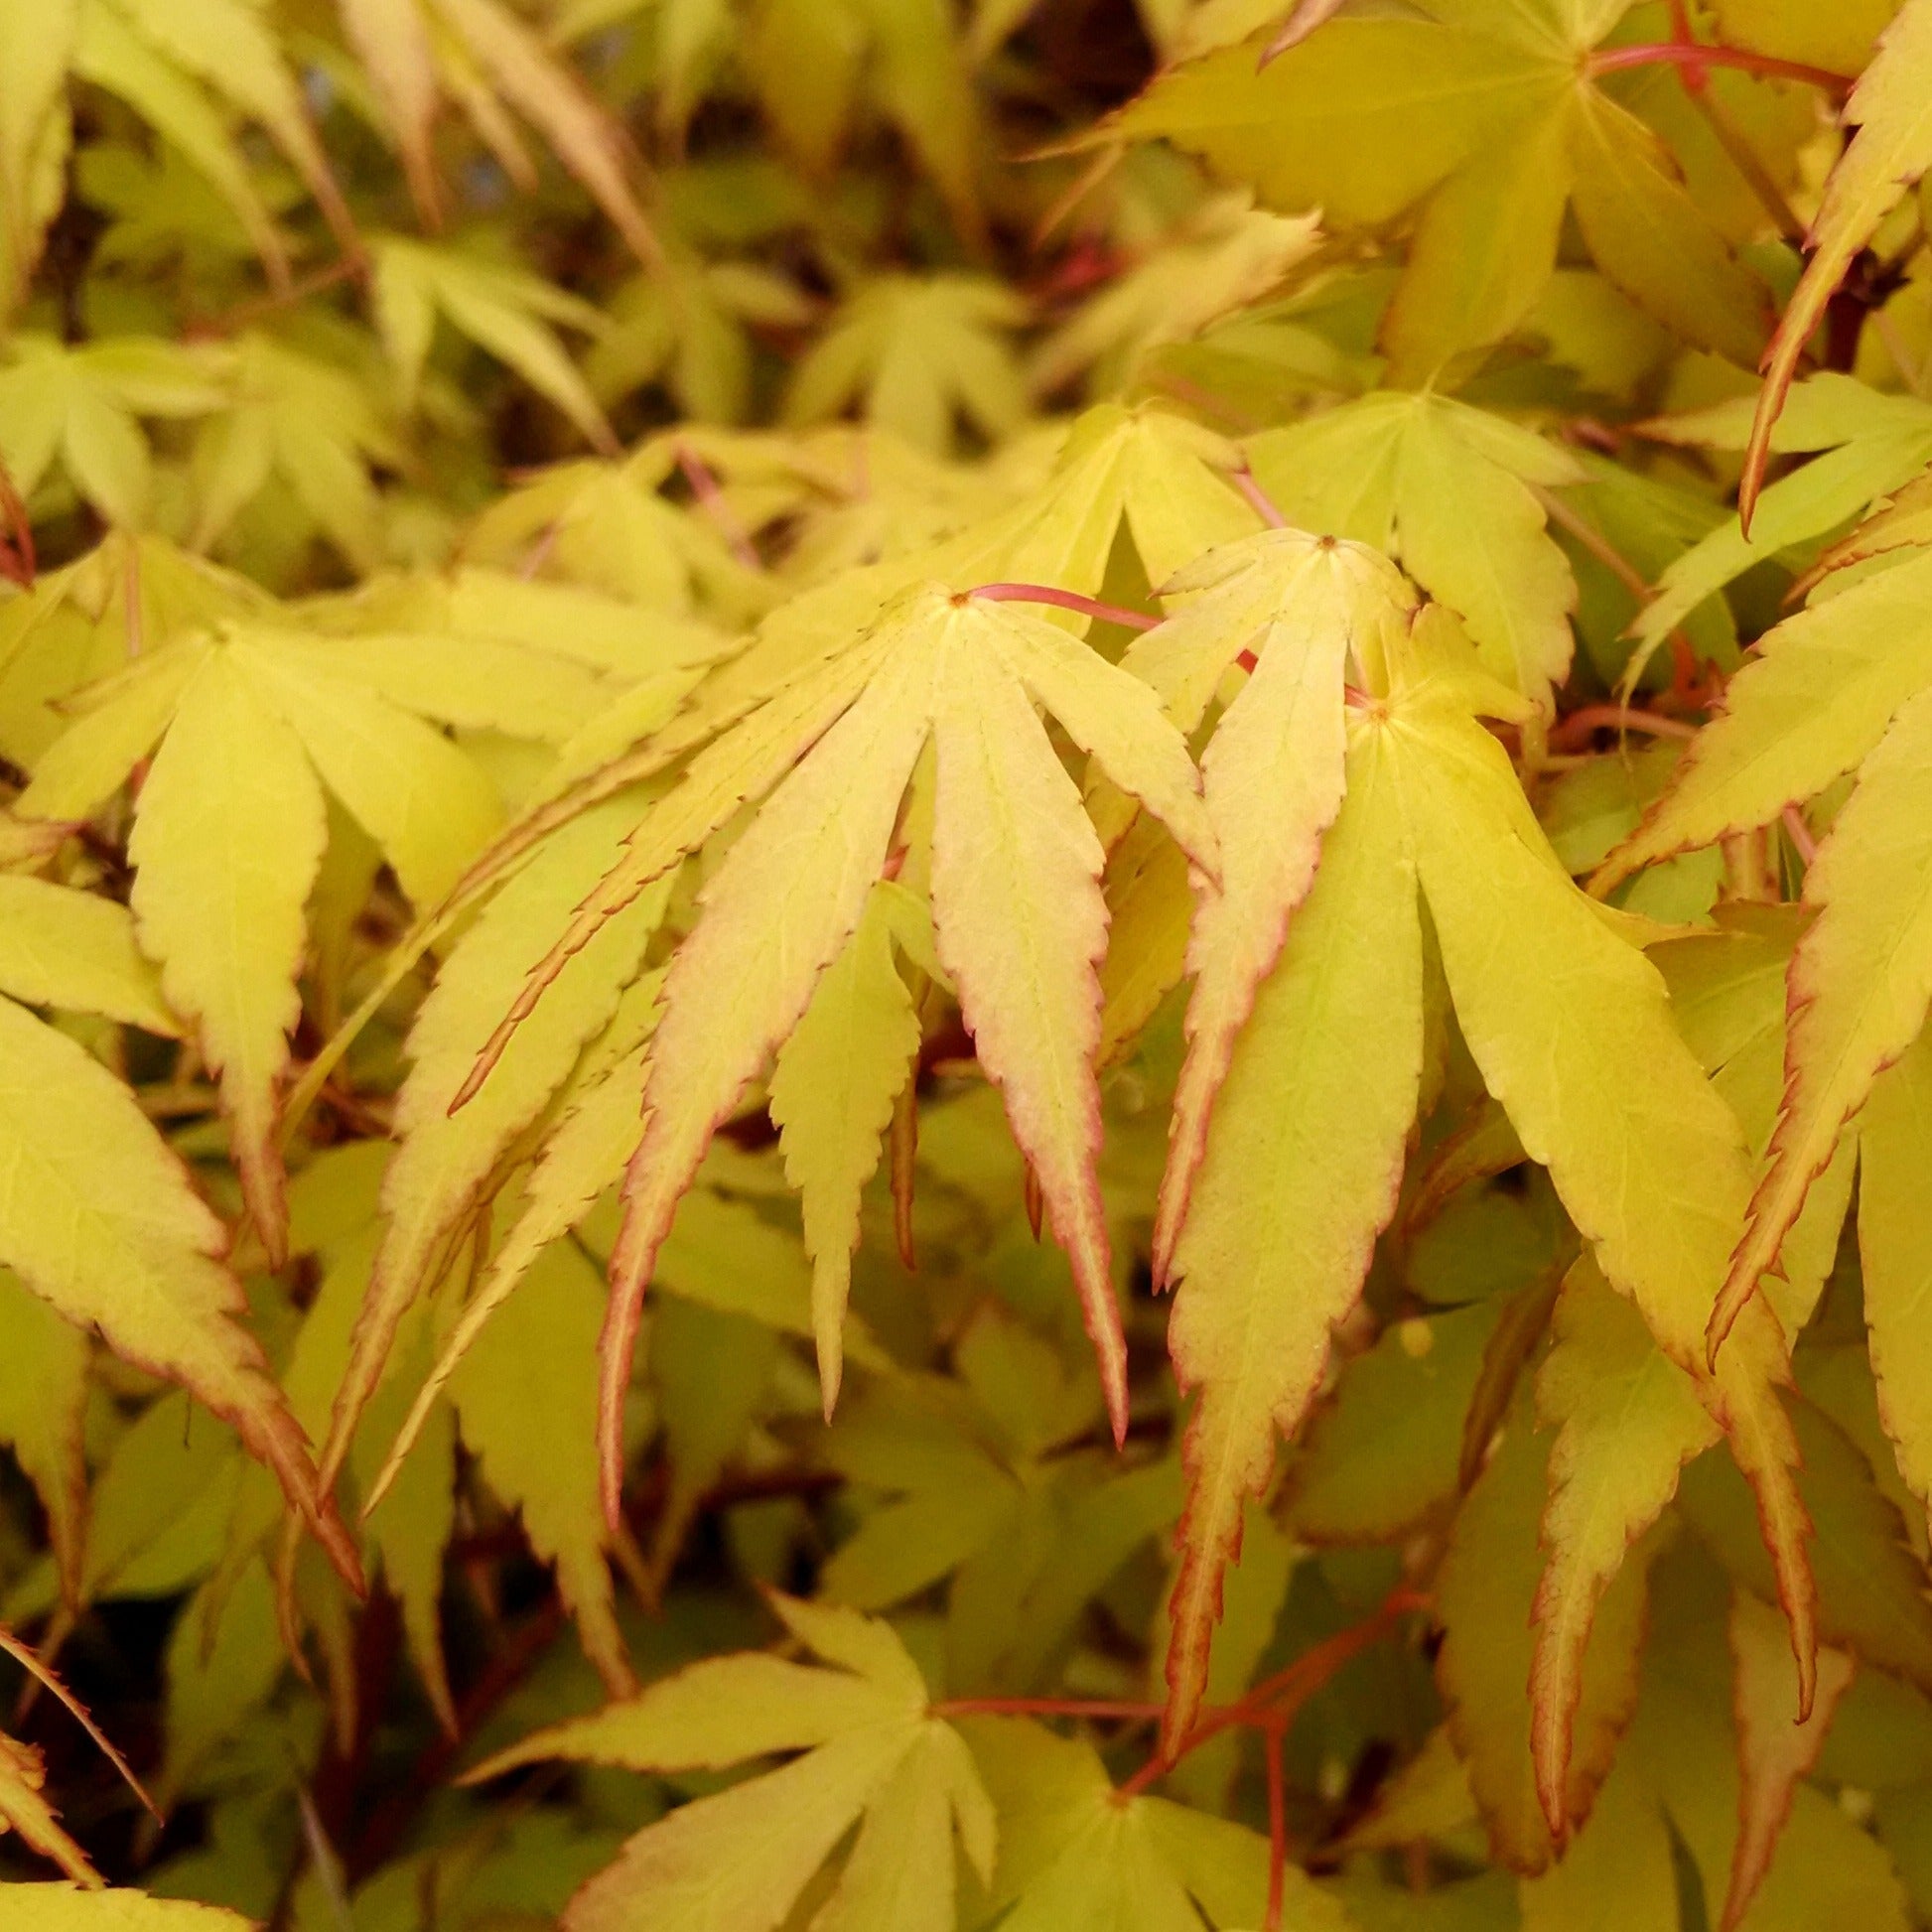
point(965, 969)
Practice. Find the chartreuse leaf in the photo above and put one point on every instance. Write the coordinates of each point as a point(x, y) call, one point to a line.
point(67, 1908)
point(1627, 1420)
point(1825, 1868)
point(230, 831)
point(1653, 1171)
point(308, 424)
point(735, 1861)
point(1729, 994)
point(1553, 1006)
point(34, 135)
point(445, 1165)
point(1387, 1450)
point(1872, 444)
point(225, 850)
point(916, 351)
point(1773, 1753)
point(1483, 124)
point(1617, 1875)
point(77, 407)
point(1302, 1162)
point(1860, 982)
point(1076, 1854)
point(1484, 1593)
point(833, 1085)
point(965, 675)
point(525, 1397)
point(1869, 1600)
point(1894, 1218)
point(1301, 612)
point(1819, 695)
point(59, 948)
point(1450, 491)
point(503, 310)
point(98, 1218)
point(43, 1414)
point(1891, 109)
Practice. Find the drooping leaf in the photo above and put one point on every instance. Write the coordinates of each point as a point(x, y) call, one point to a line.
point(1299, 1174)
point(964, 673)
point(1892, 145)
point(100, 1219)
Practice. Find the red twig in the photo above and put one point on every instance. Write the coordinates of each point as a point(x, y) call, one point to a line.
point(1576, 730)
point(1123, 1708)
point(1271, 1919)
point(1702, 54)
point(1067, 601)
point(1277, 1699)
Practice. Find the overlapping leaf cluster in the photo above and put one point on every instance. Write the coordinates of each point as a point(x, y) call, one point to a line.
point(894, 1040)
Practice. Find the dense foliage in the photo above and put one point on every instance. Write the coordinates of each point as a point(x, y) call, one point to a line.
point(965, 967)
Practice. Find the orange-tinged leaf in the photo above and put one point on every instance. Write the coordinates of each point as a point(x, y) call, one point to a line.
point(1895, 1248)
point(1302, 609)
point(1860, 982)
point(23, 1773)
point(800, 873)
point(1773, 1751)
point(394, 44)
point(447, 1159)
point(1019, 918)
point(226, 848)
point(587, 142)
point(1892, 108)
point(1627, 1420)
point(1484, 1590)
point(1302, 1162)
point(1021, 927)
point(1818, 696)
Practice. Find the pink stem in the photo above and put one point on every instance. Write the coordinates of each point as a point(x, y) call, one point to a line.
point(1245, 482)
point(1699, 55)
point(704, 486)
point(1800, 834)
point(1067, 601)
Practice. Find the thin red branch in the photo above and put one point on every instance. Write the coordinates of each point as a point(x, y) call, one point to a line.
point(1120, 1708)
point(1277, 1699)
point(1271, 1919)
point(1702, 54)
point(1067, 601)
point(1578, 728)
